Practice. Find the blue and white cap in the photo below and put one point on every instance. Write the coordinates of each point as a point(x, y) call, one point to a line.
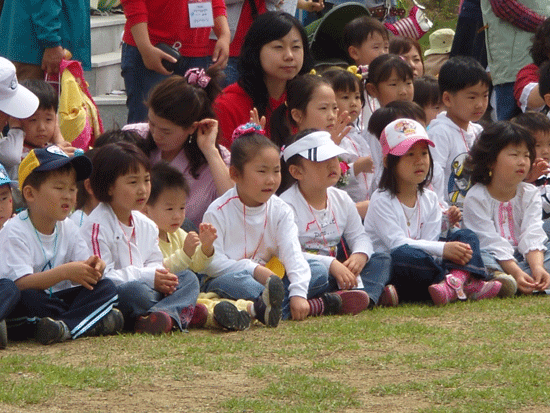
point(4, 177)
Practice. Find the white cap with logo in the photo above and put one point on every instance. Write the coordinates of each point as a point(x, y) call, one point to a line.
point(15, 100)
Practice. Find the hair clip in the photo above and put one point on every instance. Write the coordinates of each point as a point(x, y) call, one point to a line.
point(246, 129)
point(196, 76)
point(363, 70)
point(355, 70)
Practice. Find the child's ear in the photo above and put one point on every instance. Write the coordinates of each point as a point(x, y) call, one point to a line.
point(295, 171)
point(28, 193)
point(88, 186)
point(233, 173)
point(297, 115)
point(353, 53)
point(547, 99)
point(371, 90)
point(446, 99)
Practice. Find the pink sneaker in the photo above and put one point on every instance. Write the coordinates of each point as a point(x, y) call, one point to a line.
point(447, 291)
point(154, 323)
point(353, 301)
point(389, 297)
point(200, 315)
point(476, 289)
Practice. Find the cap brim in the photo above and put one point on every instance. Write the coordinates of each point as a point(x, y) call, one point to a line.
point(322, 153)
point(21, 105)
point(402, 148)
point(437, 51)
point(81, 164)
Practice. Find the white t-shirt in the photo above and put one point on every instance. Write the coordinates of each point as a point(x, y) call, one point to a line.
point(357, 147)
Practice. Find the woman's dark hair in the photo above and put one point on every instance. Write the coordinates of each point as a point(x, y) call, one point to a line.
point(110, 162)
point(266, 28)
point(286, 178)
point(388, 180)
point(392, 111)
point(426, 91)
point(246, 146)
point(383, 66)
point(490, 143)
point(298, 95)
point(540, 49)
point(343, 80)
point(401, 45)
point(183, 104)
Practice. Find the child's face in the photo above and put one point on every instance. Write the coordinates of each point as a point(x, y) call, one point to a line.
point(350, 101)
point(413, 167)
point(413, 58)
point(168, 136)
point(542, 145)
point(6, 204)
point(467, 105)
point(282, 59)
point(321, 110)
point(54, 200)
point(432, 111)
point(130, 192)
point(318, 175)
point(512, 165)
point(393, 89)
point(168, 211)
point(259, 179)
point(374, 46)
point(40, 128)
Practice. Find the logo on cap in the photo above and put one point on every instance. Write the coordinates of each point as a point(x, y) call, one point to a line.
point(405, 127)
point(13, 84)
point(56, 151)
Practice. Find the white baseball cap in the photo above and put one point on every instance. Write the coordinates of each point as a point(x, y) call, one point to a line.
point(398, 137)
point(316, 146)
point(15, 100)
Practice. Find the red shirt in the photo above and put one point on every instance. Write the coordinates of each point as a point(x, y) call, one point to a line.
point(233, 108)
point(168, 22)
point(528, 74)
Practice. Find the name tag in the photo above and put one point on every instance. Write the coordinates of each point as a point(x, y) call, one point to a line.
point(200, 14)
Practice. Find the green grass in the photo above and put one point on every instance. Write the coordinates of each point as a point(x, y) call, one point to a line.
point(487, 356)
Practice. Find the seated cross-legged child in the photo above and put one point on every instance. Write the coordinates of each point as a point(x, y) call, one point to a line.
point(325, 216)
point(504, 211)
point(464, 86)
point(404, 219)
point(50, 263)
point(152, 299)
point(181, 250)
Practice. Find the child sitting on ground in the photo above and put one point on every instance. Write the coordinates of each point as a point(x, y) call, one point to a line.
point(181, 250)
point(50, 263)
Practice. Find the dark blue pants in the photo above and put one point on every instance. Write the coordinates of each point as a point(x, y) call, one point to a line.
point(414, 270)
point(9, 297)
point(78, 307)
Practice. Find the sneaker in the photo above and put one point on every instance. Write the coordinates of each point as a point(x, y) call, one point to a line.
point(3, 334)
point(353, 301)
point(509, 285)
point(154, 323)
point(229, 317)
point(268, 306)
point(49, 331)
point(389, 297)
point(200, 315)
point(112, 323)
point(478, 289)
point(332, 303)
point(447, 291)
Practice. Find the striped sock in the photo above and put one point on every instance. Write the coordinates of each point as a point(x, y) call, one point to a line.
point(316, 306)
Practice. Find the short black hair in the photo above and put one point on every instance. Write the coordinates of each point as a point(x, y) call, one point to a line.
point(460, 72)
point(359, 29)
point(533, 121)
point(110, 162)
point(343, 80)
point(426, 91)
point(163, 177)
point(392, 111)
point(46, 94)
point(118, 135)
point(544, 79)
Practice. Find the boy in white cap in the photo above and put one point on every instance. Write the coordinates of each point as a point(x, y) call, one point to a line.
point(326, 215)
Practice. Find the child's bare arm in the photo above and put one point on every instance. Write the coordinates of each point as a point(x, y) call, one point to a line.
point(79, 272)
point(541, 277)
point(526, 284)
point(363, 164)
point(261, 274)
point(207, 236)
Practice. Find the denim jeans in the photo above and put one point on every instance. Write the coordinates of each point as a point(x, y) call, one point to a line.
point(139, 80)
point(136, 298)
point(231, 71)
point(9, 297)
point(506, 104)
point(492, 264)
point(414, 270)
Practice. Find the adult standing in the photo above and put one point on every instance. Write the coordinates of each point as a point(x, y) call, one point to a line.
point(35, 32)
point(182, 24)
point(509, 27)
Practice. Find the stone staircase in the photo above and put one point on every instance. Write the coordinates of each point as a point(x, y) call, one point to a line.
point(105, 82)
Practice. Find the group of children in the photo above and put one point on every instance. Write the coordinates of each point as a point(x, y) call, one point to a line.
point(352, 196)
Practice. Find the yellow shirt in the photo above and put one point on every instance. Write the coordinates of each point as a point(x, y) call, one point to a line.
point(176, 260)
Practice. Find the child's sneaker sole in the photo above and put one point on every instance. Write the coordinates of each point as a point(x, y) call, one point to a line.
point(3, 335)
point(353, 301)
point(154, 323)
point(273, 296)
point(389, 297)
point(509, 285)
point(229, 317)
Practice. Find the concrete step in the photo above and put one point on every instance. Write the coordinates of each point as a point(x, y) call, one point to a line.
point(112, 109)
point(105, 74)
point(106, 33)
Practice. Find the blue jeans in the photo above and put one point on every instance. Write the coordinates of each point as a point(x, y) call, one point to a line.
point(492, 264)
point(414, 270)
point(136, 298)
point(231, 71)
point(506, 104)
point(139, 80)
point(9, 297)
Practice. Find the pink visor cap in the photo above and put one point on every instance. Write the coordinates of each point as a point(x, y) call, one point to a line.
point(398, 137)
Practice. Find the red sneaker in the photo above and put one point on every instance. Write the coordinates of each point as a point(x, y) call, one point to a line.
point(154, 323)
point(353, 301)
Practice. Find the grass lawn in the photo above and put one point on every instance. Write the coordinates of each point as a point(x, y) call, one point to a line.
point(488, 356)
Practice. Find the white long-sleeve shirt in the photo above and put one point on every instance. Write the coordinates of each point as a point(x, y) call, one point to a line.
point(130, 253)
point(251, 236)
point(386, 223)
point(357, 147)
point(506, 227)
